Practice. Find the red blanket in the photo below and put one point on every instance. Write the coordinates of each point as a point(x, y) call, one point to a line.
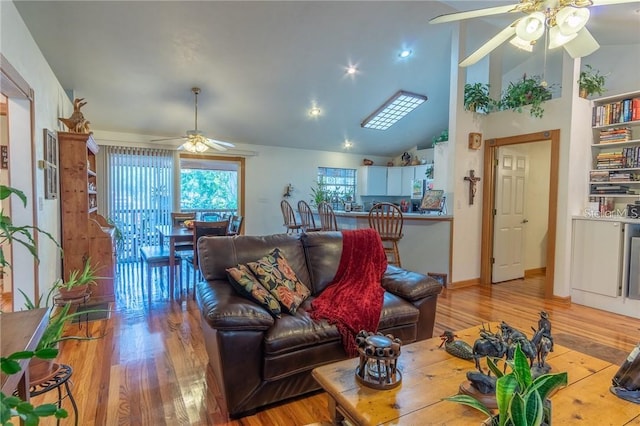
point(353, 300)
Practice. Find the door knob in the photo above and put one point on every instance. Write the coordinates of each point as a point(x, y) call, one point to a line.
point(525, 221)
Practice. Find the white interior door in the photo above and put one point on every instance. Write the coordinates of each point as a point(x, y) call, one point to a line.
point(509, 219)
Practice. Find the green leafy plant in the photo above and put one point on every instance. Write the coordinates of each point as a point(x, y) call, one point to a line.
point(529, 91)
point(520, 398)
point(319, 194)
point(9, 233)
point(476, 98)
point(13, 406)
point(118, 235)
point(442, 137)
point(80, 278)
point(591, 82)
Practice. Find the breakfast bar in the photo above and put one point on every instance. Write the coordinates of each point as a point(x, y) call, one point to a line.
point(426, 244)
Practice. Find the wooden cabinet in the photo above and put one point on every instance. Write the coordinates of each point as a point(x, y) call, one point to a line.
point(85, 234)
point(372, 180)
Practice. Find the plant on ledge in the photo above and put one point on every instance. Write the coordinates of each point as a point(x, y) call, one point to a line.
point(530, 91)
point(591, 82)
point(476, 98)
point(442, 137)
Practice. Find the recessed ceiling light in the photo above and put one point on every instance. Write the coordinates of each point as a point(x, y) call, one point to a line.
point(405, 53)
point(348, 144)
point(351, 70)
point(315, 112)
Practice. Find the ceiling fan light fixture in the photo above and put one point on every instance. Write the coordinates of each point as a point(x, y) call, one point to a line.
point(570, 20)
point(557, 39)
point(531, 27)
point(522, 44)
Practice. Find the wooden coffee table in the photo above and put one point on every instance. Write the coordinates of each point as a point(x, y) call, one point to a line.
point(429, 374)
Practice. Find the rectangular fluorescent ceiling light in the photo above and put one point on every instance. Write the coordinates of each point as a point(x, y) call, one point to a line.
point(399, 105)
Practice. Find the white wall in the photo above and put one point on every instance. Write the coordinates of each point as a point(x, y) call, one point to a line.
point(50, 103)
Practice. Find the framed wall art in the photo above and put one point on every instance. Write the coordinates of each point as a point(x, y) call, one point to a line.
point(50, 165)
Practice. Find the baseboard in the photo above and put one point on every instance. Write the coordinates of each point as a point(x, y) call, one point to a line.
point(465, 283)
point(535, 272)
point(564, 300)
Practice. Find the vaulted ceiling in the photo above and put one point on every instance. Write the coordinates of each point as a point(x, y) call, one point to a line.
point(262, 65)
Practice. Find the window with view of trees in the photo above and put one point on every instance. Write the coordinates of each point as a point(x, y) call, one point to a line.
point(336, 185)
point(208, 185)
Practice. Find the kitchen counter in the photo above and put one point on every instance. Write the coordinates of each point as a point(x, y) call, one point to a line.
point(426, 243)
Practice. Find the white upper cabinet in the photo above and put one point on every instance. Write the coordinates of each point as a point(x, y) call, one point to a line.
point(394, 180)
point(372, 180)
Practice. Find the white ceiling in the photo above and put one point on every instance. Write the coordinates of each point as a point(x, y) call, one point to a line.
point(261, 65)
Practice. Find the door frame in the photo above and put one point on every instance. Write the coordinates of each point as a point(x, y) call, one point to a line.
point(488, 202)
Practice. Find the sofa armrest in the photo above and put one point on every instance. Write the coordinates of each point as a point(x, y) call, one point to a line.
point(409, 285)
point(224, 309)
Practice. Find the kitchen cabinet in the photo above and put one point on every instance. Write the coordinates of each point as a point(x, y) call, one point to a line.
point(597, 257)
point(372, 180)
point(394, 180)
point(408, 175)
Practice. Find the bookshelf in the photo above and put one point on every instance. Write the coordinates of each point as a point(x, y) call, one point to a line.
point(614, 178)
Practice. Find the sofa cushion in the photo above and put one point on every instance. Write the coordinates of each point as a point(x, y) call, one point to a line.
point(245, 283)
point(323, 252)
point(275, 274)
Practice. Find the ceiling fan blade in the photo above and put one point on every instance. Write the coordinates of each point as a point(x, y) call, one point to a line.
point(168, 139)
point(458, 16)
point(227, 144)
point(215, 145)
point(584, 44)
point(485, 49)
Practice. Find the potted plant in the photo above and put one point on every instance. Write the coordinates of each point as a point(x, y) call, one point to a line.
point(529, 91)
point(78, 283)
point(476, 97)
point(521, 399)
point(591, 82)
point(319, 194)
point(442, 137)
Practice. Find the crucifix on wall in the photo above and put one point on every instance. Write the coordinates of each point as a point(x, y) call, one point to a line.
point(473, 180)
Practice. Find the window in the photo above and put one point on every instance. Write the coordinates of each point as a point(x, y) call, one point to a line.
point(208, 185)
point(339, 185)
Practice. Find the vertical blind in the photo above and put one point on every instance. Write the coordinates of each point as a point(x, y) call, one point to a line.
point(139, 188)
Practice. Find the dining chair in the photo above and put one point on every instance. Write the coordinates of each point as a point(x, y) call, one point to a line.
point(210, 217)
point(328, 220)
point(387, 219)
point(202, 229)
point(157, 257)
point(307, 221)
point(235, 225)
point(178, 219)
point(289, 216)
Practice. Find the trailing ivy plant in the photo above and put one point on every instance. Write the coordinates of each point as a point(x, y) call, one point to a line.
point(529, 91)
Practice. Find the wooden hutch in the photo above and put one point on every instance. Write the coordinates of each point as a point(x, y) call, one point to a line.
point(85, 233)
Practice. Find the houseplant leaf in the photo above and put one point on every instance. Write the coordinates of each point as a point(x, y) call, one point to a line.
point(471, 402)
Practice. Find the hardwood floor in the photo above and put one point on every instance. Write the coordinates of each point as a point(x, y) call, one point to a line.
point(151, 366)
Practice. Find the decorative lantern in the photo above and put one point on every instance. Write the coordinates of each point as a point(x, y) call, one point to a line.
point(378, 360)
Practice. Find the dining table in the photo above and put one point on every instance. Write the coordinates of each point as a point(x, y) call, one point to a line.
point(175, 234)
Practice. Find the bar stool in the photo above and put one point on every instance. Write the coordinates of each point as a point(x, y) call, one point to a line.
point(307, 221)
point(289, 217)
point(61, 376)
point(328, 220)
point(157, 257)
point(387, 219)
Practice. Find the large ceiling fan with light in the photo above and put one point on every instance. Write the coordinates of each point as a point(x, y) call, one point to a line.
point(194, 140)
point(564, 20)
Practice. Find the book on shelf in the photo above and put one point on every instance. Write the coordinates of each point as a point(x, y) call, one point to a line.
point(599, 176)
point(616, 112)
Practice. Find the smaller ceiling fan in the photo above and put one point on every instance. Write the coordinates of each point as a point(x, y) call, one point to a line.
point(194, 140)
point(564, 20)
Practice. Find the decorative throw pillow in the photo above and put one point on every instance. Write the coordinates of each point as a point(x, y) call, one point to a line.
point(275, 274)
point(243, 281)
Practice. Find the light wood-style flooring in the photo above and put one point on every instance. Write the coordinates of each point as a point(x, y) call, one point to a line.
point(151, 366)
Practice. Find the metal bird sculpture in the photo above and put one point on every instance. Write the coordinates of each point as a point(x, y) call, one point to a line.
point(457, 348)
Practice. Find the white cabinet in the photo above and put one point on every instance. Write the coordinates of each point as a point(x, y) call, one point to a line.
point(394, 180)
point(421, 171)
point(372, 180)
point(408, 174)
point(596, 262)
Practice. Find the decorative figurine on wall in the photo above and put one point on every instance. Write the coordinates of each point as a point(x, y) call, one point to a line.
point(288, 191)
point(472, 185)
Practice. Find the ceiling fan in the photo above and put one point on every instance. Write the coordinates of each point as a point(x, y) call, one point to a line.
point(194, 140)
point(564, 20)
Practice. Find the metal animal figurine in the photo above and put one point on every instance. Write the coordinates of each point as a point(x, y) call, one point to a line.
point(489, 344)
point(457, 348)
point(484, 383)
point(543, 346)
point(512, 338)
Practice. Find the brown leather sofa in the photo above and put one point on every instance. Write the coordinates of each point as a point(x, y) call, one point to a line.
point(258, 359)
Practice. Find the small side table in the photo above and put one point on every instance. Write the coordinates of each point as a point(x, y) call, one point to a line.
point(77, 301)
point(56, 380)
